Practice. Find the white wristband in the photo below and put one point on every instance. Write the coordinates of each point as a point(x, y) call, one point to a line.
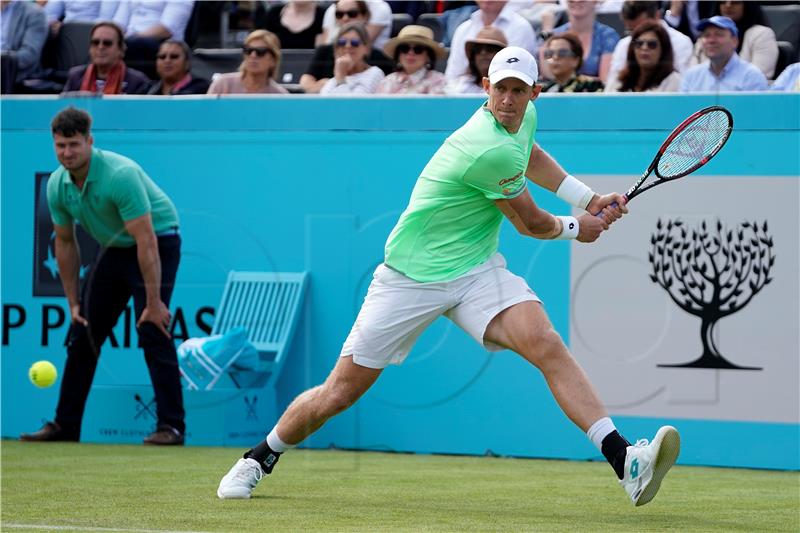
point(569, 228)
point(575, 192)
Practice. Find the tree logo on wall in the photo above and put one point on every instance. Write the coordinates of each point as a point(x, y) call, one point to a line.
point(711, 274)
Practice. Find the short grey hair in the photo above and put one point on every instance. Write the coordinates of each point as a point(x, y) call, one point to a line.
point(187, 51)
point(357, 27)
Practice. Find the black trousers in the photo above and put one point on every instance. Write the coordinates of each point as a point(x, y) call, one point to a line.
point(114, 278)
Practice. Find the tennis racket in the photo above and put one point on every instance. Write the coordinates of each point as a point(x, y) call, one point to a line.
point(691, 145)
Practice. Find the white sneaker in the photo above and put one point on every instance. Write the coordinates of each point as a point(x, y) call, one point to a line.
point(646, 464)
point(240, 481)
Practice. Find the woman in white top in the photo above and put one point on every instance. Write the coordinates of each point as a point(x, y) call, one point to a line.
point(479, 51)
point(415, 53)
point(757, 42)
point(650, 65)
point(351, 73)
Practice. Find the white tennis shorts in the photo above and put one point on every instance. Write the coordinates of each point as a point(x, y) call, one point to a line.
point(397, 310)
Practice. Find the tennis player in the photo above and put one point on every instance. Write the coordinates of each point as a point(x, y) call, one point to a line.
point(441, 259)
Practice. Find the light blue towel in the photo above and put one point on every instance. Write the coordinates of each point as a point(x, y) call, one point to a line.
point(221, 348)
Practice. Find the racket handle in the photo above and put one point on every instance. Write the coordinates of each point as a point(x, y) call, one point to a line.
point(612, 204)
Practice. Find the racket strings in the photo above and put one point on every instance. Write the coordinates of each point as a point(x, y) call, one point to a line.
point(694, 145)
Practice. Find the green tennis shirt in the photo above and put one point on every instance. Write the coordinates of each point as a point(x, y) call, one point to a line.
point(451, 223)
point(115, 191)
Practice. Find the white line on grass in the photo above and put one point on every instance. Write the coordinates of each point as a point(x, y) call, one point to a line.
point(51, 527)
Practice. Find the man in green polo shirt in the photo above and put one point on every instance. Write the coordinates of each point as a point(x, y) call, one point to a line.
point(441, 259)
point(136, 225)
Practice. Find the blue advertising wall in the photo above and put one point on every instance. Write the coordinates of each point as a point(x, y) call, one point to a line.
point(315, 184)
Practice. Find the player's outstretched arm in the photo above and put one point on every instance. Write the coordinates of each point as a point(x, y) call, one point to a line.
point(534, 222)
point(546, 172)
point(543, 170)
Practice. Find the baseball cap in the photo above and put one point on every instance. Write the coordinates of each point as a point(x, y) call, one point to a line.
point(720, 22)
point(513, 62)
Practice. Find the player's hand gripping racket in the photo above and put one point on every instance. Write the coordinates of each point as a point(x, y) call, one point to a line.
point(690, 146)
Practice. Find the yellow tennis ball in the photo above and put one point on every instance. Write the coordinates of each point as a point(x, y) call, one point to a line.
point(42, 373)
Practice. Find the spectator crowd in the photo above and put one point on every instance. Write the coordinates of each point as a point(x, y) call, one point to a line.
point(380, 47)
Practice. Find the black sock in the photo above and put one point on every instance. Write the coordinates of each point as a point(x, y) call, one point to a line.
point(265, 456)
point(614, 448)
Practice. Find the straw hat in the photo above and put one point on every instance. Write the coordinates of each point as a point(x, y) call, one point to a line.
point(487, 35)
point(414, 34)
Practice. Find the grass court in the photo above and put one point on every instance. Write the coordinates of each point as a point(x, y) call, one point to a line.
point(88, 487)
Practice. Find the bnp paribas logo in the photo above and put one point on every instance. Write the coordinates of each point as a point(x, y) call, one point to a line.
point(711, 273)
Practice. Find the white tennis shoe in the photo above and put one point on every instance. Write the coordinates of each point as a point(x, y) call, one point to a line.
point(646, 464)
point(240, 481)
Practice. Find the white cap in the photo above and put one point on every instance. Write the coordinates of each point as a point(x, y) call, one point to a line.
point(513, 62)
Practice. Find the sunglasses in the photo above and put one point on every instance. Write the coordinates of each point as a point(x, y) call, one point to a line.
point(355, 43)
point(651, 44)
point(104, 42)
point(416, 48)
point(168, 56)
point(561, 52)
point(260, 52)
point(350, 13)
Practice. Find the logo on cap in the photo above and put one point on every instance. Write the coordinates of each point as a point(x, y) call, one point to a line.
point(512, 60)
